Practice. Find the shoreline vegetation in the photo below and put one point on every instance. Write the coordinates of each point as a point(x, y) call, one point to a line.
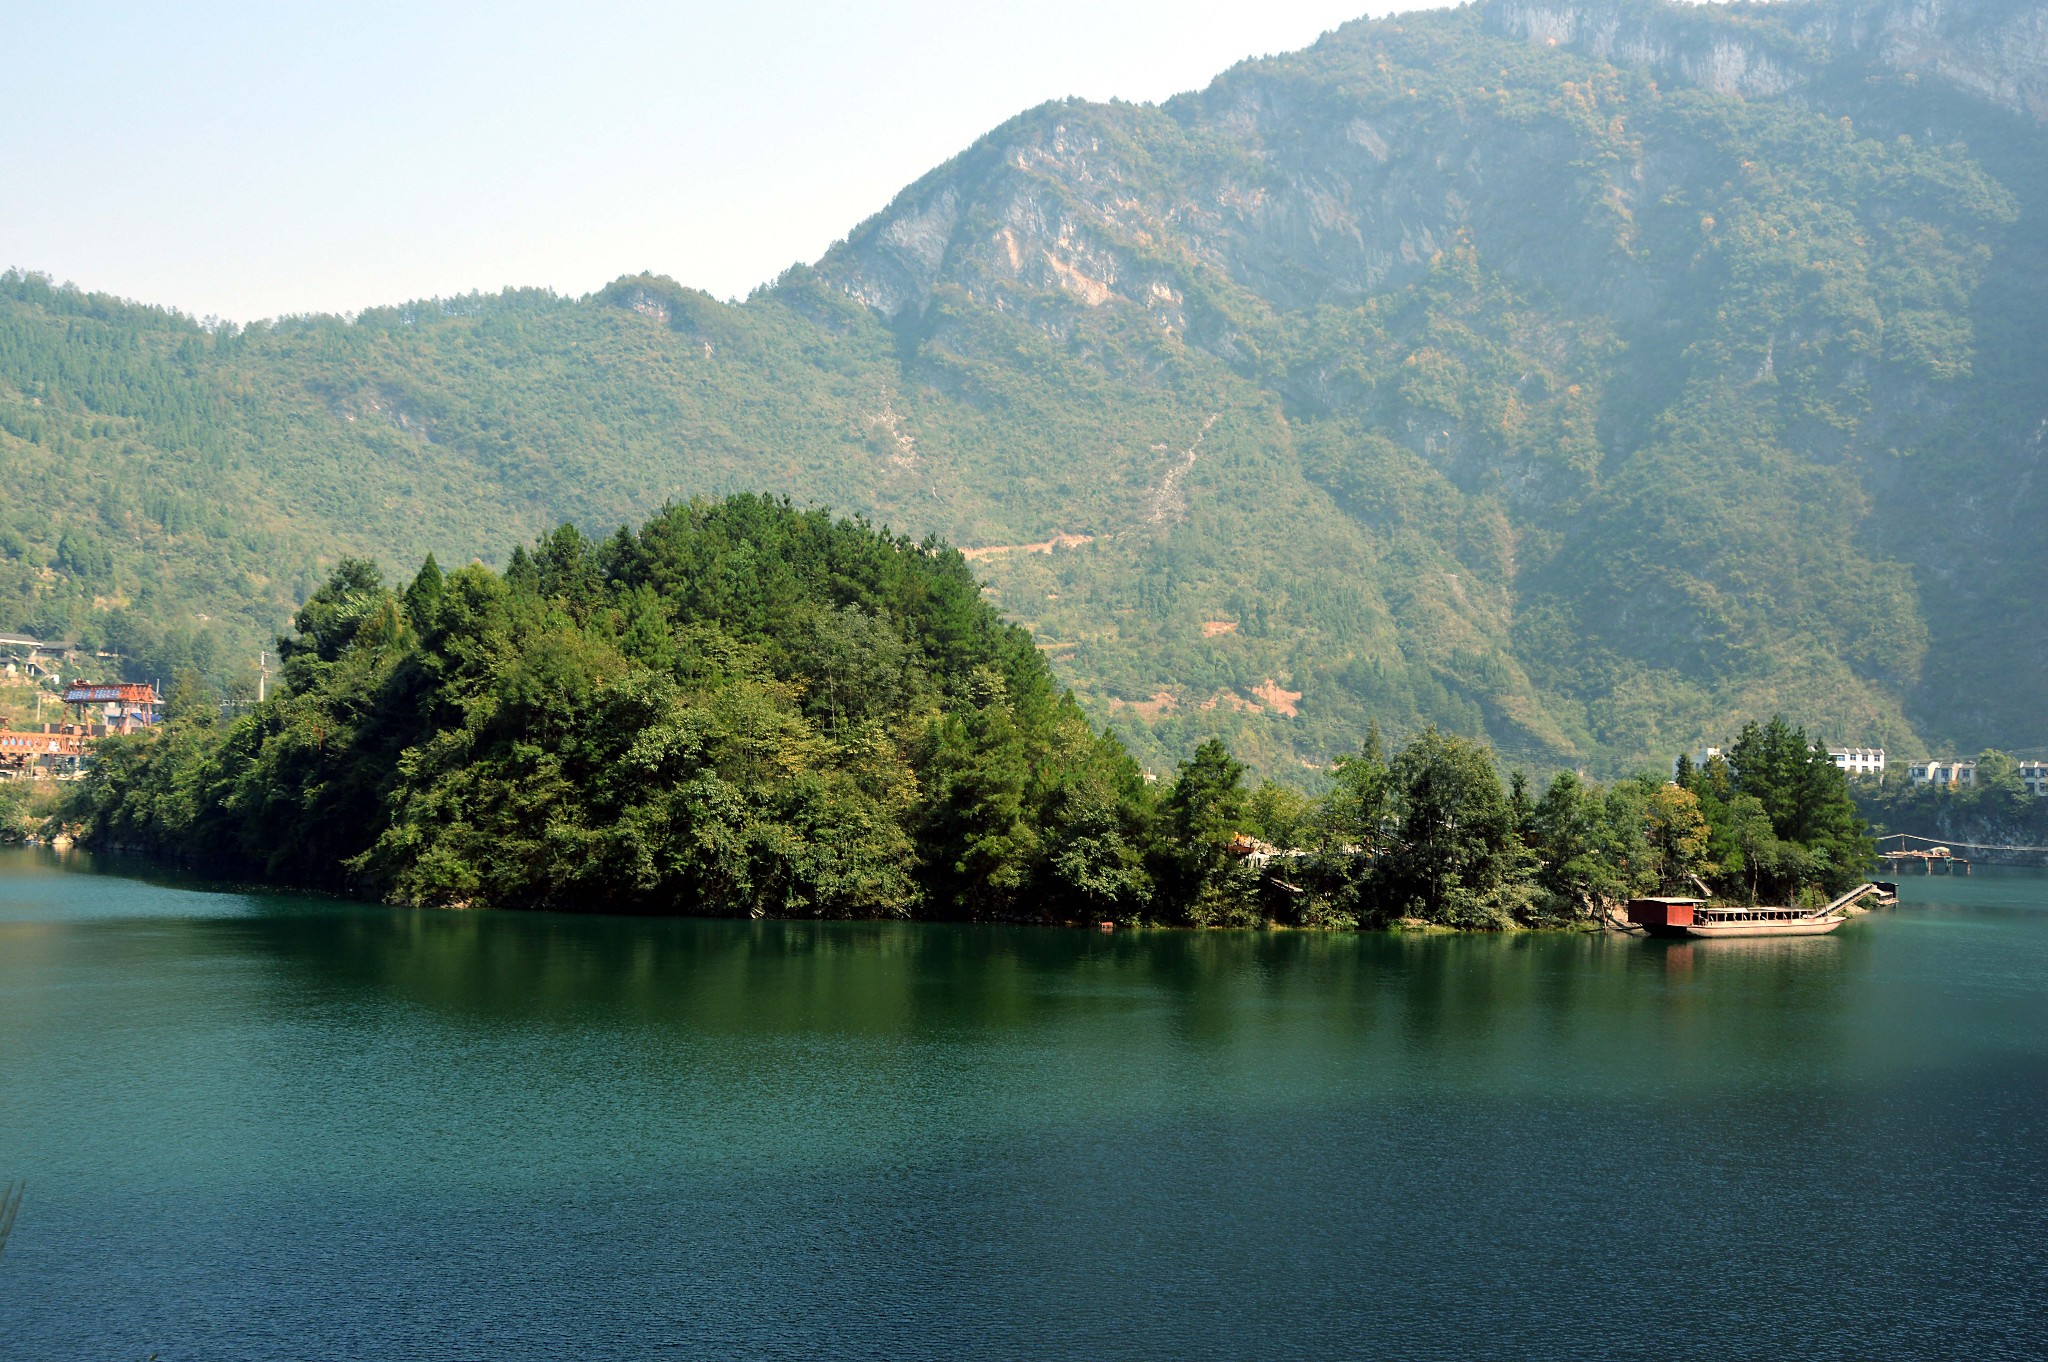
point(748, 710)
point(1994, 820)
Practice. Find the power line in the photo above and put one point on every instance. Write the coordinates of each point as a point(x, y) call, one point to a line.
point(1967, 846)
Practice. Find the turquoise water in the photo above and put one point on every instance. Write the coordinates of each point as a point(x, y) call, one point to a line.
point(260, 1126)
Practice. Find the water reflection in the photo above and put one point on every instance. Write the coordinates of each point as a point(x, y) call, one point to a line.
point(960, 1141)
point(1509, 1011)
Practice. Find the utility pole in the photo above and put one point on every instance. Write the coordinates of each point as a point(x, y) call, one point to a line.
point(262, 675)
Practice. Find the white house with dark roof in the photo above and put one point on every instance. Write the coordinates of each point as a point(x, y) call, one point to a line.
point(1935, 771)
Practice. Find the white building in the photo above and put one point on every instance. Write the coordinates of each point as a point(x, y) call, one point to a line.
point(1936, 772)
point(2035, 774)
point(1859, 761)
point(1699, 760)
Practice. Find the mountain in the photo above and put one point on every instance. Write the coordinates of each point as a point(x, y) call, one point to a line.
point(1589, 377)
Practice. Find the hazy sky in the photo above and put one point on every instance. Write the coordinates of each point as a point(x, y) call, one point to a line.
point(251, 160)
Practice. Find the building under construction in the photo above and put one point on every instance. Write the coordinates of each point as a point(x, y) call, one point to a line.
point(51, 750)
point(61, 750)
point(112, 707)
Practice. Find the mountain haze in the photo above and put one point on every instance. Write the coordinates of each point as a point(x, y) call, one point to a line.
point(1587, 376)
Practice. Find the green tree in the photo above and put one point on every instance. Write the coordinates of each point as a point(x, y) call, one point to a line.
point(423, 596)
point(326, 624)
point(1678, 834)
point(1568, 832)
point(976, 815)
point(1098, 830)
point(1356, 827)
point(1457, 861)
point(1806, 796)
point(1201, 880)
point(1998, 789)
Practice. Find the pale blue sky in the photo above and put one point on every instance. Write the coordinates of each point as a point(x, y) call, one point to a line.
point(257, 159)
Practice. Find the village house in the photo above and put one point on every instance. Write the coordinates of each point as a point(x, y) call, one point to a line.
point(1937, 772)
point(1858, 761)
point(1699, 760)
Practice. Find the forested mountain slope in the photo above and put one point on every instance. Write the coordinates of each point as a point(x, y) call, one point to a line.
point(1591, 377)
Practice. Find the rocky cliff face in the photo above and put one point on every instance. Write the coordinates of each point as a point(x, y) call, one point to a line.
point(1996, 50)
point(1719, 48)
point(1287, 194)
point(1040, 207)
point(1284, 207)
point(1366, 228)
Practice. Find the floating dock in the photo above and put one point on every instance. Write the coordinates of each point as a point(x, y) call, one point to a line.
point(1926, 860)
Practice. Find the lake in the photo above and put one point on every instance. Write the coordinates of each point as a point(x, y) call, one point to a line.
point(264, 1126)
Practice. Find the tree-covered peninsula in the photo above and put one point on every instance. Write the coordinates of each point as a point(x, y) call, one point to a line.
point(749, 709)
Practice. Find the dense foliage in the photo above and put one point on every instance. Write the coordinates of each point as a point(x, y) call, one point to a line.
point(1774, 815)
point(743, 708)
point(732, 708)
point(1428, 375)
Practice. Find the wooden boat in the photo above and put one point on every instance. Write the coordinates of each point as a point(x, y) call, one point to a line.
point(1716, 922)
point(1697, 917)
